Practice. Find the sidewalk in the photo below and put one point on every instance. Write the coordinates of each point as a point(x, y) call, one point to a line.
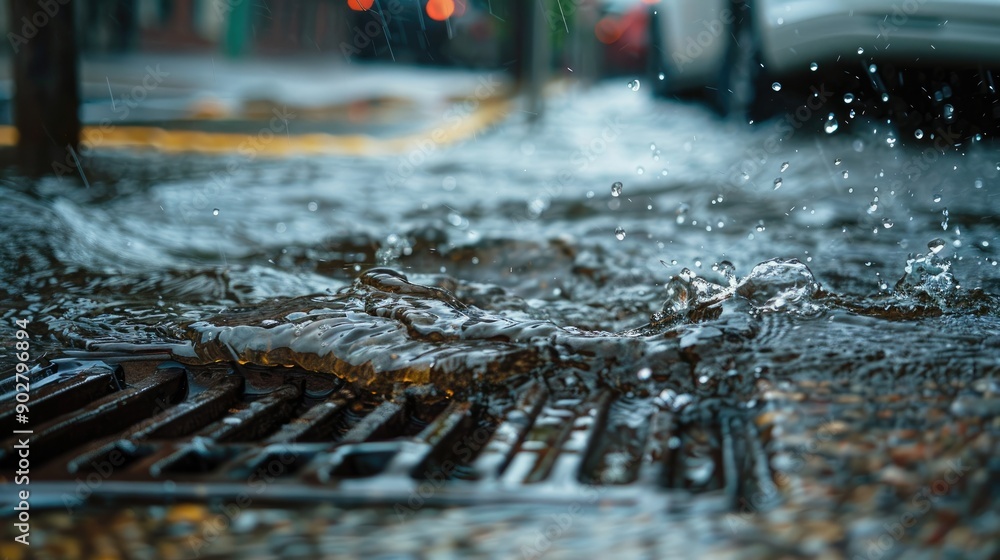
point(213, 104)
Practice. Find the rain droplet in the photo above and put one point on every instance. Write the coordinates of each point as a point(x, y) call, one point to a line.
point(937, 197)
point(814, 67)
point(831, 125)
point(838, 161)
point(662, 76)
point(634, 85)
point(885, 97)
point(620, 233)
point(861, 50)
point(918, 134)
point(776, 86)
point(215, 211)
point(935, 245)
point(728, 271)
point(784, 167)
point(872, 68)
point(887, 223)
point(948, 112)
point(777, 183)
point(845, 174)
point(312, 206)
point(616, 188)
point(848, 97)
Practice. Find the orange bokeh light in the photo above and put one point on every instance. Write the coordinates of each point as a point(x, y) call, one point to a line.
point(440, 10)
point(360, 5)
point(608, 30)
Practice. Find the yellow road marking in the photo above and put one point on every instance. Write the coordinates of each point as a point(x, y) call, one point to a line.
point(488, 112)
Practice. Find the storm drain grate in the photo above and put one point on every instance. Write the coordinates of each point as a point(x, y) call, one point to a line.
point(155, 430)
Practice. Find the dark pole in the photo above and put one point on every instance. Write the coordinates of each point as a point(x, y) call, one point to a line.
point(46, 97)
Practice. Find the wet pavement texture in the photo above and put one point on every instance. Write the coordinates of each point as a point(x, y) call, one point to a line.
point(834, 290)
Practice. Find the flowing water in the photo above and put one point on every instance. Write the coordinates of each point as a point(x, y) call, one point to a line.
point(518, 240)
point(620, 241)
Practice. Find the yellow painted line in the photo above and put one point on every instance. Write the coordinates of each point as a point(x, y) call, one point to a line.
point(488, 112)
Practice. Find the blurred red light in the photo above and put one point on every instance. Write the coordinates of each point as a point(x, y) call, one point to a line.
point(440, 10)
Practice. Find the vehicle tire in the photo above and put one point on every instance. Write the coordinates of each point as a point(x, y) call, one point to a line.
point(659, 64)
point(743, 87)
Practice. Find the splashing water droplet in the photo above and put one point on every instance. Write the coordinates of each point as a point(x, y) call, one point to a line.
point(776, 86)
point(887, 223)
point(872, 68)
point(616, 188)
point(831, 125)
point(861, 50)
point(644, 374)
point(662, 76)
point(848, 97)
point(838, 161)
point(885, 97)
point(778, 284)
point(639, 170)
point(634, 85)
point(845, 174)
point(935, 245)
point(948, 112)
point(215, 211)
point(777, 183)
point(784, 167)
point(728, 271)
point(620, 233)
point(814, 67)
point(918, 134)
point(937, 197)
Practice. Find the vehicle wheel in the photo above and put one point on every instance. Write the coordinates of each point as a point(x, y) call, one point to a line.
point(743, 88)
point(659, 64)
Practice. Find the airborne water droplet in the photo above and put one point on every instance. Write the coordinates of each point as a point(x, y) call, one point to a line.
point(777, 183)
point(215, 211)
point(886, 223)
point(838, 161)
point(784, 167)
point(620, 233)
point(831, 125)
point(861, 50)
point(616, 188)
point(776, 86)
point(918, 134)
point(937, 198)
point(848, 97)
point(885, 97)
point(814, 67)
point(845, 174)
point(935, 245)
point(634, 85)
